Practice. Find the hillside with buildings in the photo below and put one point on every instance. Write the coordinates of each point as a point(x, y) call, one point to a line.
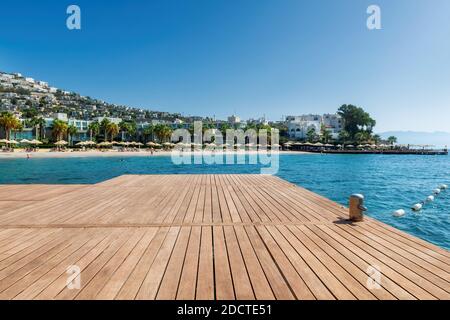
point(29, 99)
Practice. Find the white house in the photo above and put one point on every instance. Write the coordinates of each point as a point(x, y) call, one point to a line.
point(298, 126)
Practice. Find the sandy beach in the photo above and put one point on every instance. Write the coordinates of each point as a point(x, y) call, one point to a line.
point(45, 153)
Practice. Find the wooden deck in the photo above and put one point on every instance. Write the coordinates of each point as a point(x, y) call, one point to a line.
point(204, 237)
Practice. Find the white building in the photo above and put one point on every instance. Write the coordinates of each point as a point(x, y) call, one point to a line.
point(234, 120)
point(298, 126)
point(113, 120)
point(60, 116)
point(333, 123)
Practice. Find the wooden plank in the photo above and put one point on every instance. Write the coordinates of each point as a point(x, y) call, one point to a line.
point(204, 237)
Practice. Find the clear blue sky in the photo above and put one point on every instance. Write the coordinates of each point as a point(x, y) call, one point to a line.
point(252, 57)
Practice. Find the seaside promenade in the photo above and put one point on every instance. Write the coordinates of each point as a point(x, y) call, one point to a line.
point(205, 237)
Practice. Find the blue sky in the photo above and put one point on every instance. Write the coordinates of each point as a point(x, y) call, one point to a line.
point(252, 57)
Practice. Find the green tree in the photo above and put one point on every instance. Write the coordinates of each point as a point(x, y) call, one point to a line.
point(376, 139)
point(94, 129)
point(71, 131)
point(149, 132)
point(392, 140)
point(325, 134)
point(112, 129)
point(17, 128)
point(355, 119)
point(343, 136)
point(8, 122)
point(104, 127)
point(59, 129)
point(163, 132)
point(311, 135)
point(362, 137)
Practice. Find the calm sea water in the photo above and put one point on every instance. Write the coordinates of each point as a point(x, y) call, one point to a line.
point(387, 182)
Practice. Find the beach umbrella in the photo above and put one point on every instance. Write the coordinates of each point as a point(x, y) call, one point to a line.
point(82, 143)
point(34, 141)
point(90, 143)
point(25, 141)
point(350, 146)
point(13, 142)
point(328, 145)
point(152, 144)
point(61, 143)
point(4, 141)
point(318, 144)
point(104, 144)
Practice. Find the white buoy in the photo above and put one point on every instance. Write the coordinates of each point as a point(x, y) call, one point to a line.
point(443, 186)
point(430, 199)
point(437, 191)
point(417, 207)
point(399, 213)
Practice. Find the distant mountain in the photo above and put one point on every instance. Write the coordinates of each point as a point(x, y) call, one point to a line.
point(438, 138)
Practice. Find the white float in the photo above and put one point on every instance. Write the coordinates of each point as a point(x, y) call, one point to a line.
point(443, 186)
point(399, 213)
point(417, 207)
point(437, 191)
point(430, 199)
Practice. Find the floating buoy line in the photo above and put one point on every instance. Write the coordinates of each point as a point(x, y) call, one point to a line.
point(419, 206)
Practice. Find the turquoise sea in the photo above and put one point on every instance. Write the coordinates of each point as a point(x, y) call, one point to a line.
point(387, 182)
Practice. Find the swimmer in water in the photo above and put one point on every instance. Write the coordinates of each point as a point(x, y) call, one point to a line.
point(28, 156)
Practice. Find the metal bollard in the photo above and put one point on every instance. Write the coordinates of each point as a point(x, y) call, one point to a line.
point(356, 207)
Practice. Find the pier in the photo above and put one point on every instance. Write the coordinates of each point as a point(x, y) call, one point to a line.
point(205, 237)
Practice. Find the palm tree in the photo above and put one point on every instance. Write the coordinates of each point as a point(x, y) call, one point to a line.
point(17, 128)
point(343, 136)
point(94, 129)
point(112, 129)
point(8, 122)
point(362, 137)
point(104, 127)
point(311, 135)
point(326, 134)
point(149, 131)
point(162, 132)
point(392, 140)
point(71, 131)
point(376, 139)
point(59, 129)
point(124, 127)
point(41, 123)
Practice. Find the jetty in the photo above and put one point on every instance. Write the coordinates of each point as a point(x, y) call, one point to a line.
point(204, 237)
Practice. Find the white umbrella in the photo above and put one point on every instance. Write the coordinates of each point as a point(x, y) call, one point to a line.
point(90, 143)
point(13, 142)
point(82, 143)
point(61, 143)
point(34, 141)
point(25, 141)
point(4, 141)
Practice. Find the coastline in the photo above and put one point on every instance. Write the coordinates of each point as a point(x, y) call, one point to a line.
point(84, 154)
